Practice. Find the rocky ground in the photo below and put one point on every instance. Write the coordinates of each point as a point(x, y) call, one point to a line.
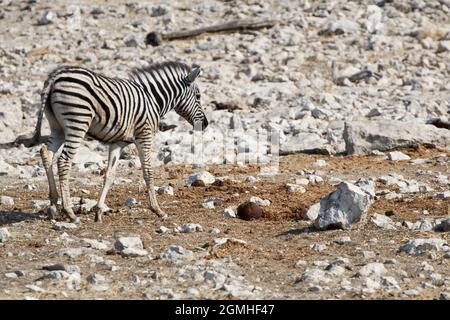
point(342, 83)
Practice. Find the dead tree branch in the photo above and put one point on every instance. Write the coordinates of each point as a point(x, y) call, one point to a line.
point(155, 39)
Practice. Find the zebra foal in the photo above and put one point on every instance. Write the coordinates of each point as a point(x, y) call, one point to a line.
point(79, 102)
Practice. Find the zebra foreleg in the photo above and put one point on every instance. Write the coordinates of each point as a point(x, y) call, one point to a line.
point(145, 146)
point(113, 160)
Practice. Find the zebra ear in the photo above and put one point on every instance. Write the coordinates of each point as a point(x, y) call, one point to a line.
point(193, 75)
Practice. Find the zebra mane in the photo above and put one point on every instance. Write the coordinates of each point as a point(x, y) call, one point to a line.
point(174, 65)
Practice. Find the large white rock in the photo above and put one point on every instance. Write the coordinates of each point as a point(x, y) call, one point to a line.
point(347, 205)
point(361, 137)
point(417, 247)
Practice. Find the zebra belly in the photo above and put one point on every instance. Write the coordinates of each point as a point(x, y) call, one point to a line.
point(108, 134)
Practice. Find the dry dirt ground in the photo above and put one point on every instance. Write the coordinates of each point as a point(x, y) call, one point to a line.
point(274, 243)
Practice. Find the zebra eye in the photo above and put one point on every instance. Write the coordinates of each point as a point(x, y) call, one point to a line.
point(197, 96)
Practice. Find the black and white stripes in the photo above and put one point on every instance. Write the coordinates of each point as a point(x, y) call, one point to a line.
point(80, 102)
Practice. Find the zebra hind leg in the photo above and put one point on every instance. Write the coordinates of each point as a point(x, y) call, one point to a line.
point(47, 154)
point(145, 146)
point(71, 144)
point(113, 160)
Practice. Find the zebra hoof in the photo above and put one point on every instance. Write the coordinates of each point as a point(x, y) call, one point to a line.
point(52, 212)
point(162, 215)
point(98, 217)
point(99, 211)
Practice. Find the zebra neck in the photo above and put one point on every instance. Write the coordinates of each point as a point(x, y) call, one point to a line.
point(162, 94)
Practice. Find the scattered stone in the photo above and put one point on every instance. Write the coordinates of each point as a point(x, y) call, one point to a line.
point(259, 201)
point(72, 253)
point(412, 292)
point(425, 266)
point(318, 247)
point(313, 212)
point(203, 178)
point(302, 181)
point(6, 201)
point(39, 204)
point(444, 225)
point(96, 278)
point(175, 253)
point(314, 179)
point(134, 252)
point(34, 288)
point(398, 156)
point(130, 246)
point(163, 229)
point(390, 261)
point(300, 264)
point(383, 222)
point(371, 285)
point(11, 275)
point(229, 213)
point(96, 244)
point(47, 18)
point(190, 227)
point(444, 296)
point(368, 254)
point(130, 41)
point(165, 190)
point(158, 10)
point(249, 211)
point(217, 242)
point(295, 188)
point(64, 226)
point(4, 234)
point(73, 282)
point(320, 163)
point(343, 240)
point(214, 230)
point(208, 204)
point(443, 195)
point(69, 268)
point(419, 247)
point(130, 202)
point(422, 225)
point(315, 276)
point(372, 269)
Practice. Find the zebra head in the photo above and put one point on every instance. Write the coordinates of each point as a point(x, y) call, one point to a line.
point(189, 106)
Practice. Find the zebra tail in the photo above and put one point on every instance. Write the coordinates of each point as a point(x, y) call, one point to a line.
point(37, 137)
